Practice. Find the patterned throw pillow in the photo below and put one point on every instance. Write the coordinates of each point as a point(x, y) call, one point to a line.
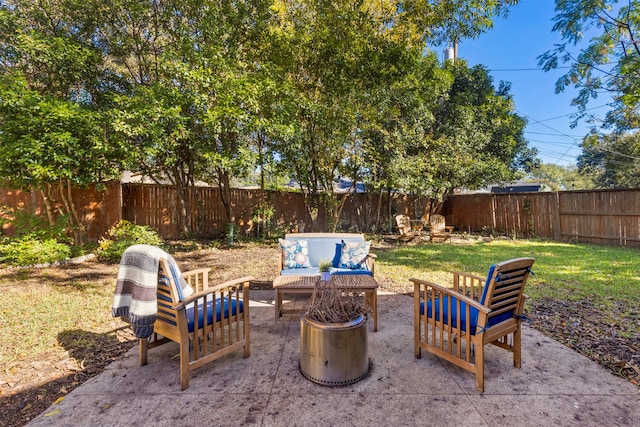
point(354, 255)
point(296, 253)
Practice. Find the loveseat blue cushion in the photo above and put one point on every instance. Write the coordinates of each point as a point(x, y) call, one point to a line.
point(235, 306)
point(335, 262)
point(311, 271)
point(473, 314)
point(349, 271)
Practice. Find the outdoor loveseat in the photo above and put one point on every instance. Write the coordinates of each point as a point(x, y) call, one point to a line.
point(299, 266)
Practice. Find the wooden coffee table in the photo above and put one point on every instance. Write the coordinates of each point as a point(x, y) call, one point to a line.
point(305, 284)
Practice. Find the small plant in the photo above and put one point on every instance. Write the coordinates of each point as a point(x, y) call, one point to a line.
point(121, 236)
point(325, 265)
point(328, 304)
point(262, 215)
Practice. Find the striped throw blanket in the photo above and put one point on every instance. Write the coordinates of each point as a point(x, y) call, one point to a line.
point(135, 296)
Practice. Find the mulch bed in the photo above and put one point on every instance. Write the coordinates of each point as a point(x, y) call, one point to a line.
point(582, 326)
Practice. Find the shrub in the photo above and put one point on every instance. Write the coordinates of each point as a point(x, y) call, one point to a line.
point(28, 224)
point(121, 236)
point(30, 250)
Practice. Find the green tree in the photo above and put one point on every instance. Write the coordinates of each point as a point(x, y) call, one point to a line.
point(561, 177)
point(610, 61)
point(474, 138)
point(320, 48)
point(346, 63)
point(613, 161)
point(191, 86)
point(50, 131)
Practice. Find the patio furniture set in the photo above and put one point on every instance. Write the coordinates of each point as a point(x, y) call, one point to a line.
point(412, 229)
point(210, 321)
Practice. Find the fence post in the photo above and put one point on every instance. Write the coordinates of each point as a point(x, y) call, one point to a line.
point(555, 214)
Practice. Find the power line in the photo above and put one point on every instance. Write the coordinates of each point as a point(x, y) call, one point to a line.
point(524, 69)
point(571, 114)
point(550, 134)
point(555, 130)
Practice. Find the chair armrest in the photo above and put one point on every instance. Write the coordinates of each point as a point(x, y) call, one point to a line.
point(371, 258)
point(228, 284)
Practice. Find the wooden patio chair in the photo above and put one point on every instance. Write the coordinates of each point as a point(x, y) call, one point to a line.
point(224, 328)
point(407, 234)
point(457, 323)
point(439, 231)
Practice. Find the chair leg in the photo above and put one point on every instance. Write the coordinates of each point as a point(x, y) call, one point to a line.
point(278, 303)
point(247, 340)
point(184, 365)
point(144, 351)
point(479, 362)
point(417, 351)
point(517, 349)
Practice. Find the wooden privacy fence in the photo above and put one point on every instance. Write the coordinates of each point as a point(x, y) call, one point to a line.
point(610, 217)
point(151, 205)
point(100, 207)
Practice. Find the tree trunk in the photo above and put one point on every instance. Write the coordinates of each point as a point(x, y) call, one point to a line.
point(336, 217)
point(389, 213)
point(183, 194)
point(78, 229)
point(225, 194)
point(260, 140)
point(379, 210)
point(46, 199)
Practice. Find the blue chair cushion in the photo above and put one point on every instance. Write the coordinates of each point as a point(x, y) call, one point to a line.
point(473, 314)
point(486, 283)
point(235, 305)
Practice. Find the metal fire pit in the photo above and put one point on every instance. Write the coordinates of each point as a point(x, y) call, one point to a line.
point(334, 354)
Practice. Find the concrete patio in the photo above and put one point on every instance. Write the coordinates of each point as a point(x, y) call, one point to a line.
point(555, 386)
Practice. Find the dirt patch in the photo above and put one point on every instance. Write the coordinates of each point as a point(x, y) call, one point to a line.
point(30, 385)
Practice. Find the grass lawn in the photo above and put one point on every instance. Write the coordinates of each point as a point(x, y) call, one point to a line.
point(605, 275)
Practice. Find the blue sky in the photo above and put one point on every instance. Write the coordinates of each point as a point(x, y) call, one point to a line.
point(509, 50)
